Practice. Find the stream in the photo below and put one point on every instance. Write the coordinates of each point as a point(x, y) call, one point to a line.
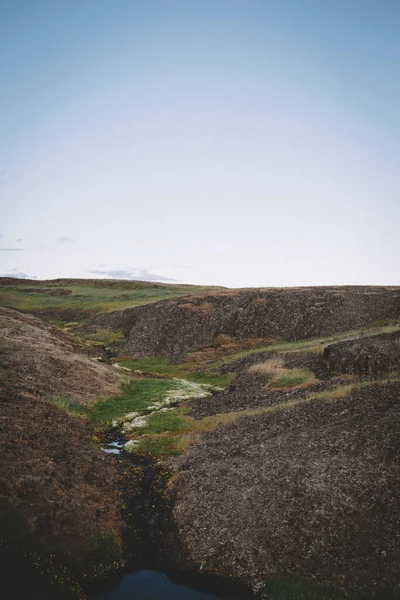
point(151, 539)
point(157, 585)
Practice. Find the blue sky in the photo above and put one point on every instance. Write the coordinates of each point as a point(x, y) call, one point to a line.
point(241, 143)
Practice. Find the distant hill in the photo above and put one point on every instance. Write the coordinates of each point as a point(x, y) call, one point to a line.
point(76, 300)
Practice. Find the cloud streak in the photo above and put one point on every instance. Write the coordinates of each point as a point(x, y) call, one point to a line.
point(12, 249)
point(18, 275)
point(131, 274)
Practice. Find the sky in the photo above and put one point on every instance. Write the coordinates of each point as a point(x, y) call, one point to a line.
point(238, 143)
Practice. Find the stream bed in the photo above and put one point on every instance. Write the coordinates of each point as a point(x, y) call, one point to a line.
point(151, 538)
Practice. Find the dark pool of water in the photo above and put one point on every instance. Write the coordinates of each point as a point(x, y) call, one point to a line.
point(153, 585)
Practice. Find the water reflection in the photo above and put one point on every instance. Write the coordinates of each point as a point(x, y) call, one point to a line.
point(153, 585)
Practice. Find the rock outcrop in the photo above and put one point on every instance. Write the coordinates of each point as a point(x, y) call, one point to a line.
point(371, 357)
point(173, 327)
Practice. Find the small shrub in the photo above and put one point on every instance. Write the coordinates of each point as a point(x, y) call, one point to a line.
point(294, 588)
point(104, 555)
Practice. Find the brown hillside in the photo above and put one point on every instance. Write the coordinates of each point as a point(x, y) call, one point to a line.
point(43, 360)
point(53, 476)
point(312, 490)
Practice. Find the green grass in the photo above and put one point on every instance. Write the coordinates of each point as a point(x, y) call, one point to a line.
point(292, 377)
point(172, 421)
point(105, 337)
point(136, 396)
point(211, 378)
point(160, 366)
point(160, 446)
point(289, 381)
point(152, 364)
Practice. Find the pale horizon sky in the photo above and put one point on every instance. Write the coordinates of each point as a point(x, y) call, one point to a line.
point(238, 143)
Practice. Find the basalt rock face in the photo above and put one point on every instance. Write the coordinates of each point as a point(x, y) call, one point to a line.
point(173, 327)
point(371, 357)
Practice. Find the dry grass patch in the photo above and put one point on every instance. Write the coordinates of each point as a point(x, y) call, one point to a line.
point(281, 377)
point(269, 367)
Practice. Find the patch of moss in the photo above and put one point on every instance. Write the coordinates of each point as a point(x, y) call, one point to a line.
point(296, 588)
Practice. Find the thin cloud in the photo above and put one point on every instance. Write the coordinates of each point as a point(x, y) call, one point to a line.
point(19, 240)
point(132, 274)
point(12, 249)
point(18, 275)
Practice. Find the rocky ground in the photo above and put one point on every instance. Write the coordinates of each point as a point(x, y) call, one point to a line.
point(311, 489)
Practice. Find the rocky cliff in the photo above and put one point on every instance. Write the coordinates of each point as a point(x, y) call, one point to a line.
point(173, 327)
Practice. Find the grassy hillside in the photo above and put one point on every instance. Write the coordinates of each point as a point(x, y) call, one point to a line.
point(76, 300)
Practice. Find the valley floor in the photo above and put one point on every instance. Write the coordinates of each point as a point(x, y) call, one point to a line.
point(267, 461)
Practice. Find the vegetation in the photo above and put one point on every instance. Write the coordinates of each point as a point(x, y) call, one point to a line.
point(137, 395)
point(293, 378)
point(162, 367)
point(71, 406)
point(166, 422)
point(295, 588)
point(106, 336)
point(172, 433)
point(316, 345)
point(88, 297)
point(30, 566)
point(279, 376)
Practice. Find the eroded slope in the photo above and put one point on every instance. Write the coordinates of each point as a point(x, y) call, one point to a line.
point(43, 360)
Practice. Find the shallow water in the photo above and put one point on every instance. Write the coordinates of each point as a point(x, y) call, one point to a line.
point(153, 585)
point(113, 447)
